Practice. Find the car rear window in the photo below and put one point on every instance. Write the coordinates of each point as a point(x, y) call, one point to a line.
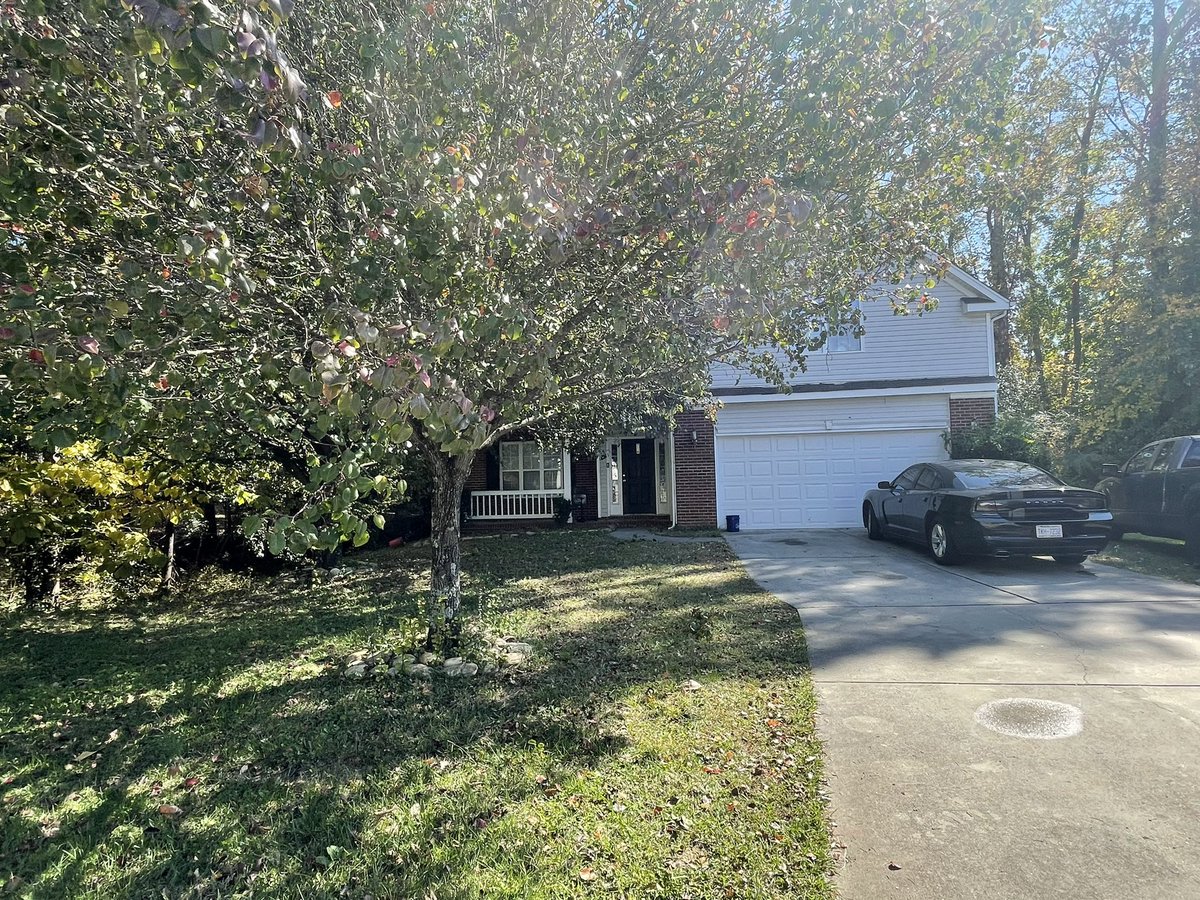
point(1004, 474)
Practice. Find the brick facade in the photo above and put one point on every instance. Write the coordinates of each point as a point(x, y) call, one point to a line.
point(478, 479)
point(965, 412)
point(695, 471)
point(583, 481)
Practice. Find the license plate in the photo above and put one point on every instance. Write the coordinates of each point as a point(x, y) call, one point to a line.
point(1049, 531)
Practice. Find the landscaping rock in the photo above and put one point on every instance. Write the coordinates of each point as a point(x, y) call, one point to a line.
point(427, 658)
point(418, 670)
point(358, 656)
point(453, 662)
point(461, 670)
point(356, 671)
point(513, 653)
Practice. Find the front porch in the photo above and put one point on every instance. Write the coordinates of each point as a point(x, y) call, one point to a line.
point(523, 484)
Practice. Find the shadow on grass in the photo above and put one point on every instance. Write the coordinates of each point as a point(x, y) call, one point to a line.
point(214, 746)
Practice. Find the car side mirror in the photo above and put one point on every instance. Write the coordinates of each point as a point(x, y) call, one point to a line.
point(884, 485)
point(1109, 469)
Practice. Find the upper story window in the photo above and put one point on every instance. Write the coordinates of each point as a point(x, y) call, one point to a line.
point(527, 466)
point(840, 334)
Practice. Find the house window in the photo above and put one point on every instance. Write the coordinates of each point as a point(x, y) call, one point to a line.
point(527, 466)
point(838, 334)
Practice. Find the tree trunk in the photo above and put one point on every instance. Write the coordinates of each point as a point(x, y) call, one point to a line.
point(445, 583)
point(168, 576)
point(998, 265)
point(997, 249)
point(1156, 147)
point(1078, 214)
point(40, 575)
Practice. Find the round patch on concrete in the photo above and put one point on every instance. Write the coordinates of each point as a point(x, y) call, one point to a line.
point(792, 542)
point(1043, 720)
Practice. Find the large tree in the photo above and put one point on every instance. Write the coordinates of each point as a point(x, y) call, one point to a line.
point(320, 235)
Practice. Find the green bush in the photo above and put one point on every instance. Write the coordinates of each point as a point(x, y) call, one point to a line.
point(1006, 438)
point(562, 510)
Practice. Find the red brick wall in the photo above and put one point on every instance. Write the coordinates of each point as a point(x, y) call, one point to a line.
point(477, 480)
point(974, 411)
point(695, 471)
point(583, 481)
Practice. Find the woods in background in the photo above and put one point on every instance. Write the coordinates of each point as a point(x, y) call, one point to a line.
point(1091, 224)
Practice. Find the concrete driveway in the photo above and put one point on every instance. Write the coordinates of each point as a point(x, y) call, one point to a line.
point(931, 802)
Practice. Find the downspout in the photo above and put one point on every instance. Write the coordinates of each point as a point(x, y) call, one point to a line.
point(993, 318)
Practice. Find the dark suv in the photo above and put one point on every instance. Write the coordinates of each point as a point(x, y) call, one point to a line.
point(1158, 491)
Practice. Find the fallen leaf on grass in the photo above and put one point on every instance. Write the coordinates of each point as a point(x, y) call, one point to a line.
point(169, 810)
point(86, 754)
point(712, 770)
point(587, 873)
point(690, 685)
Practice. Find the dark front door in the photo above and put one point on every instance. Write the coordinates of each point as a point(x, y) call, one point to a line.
point(637, 476)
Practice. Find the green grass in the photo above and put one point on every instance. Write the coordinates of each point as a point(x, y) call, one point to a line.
point(586, 772)
point(1151, 556)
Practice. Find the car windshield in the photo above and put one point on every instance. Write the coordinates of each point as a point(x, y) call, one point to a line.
point(1000, 473)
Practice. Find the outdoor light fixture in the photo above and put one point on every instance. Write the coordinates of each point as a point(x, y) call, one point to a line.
point(695, 436)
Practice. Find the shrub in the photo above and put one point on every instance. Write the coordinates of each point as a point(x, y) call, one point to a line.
point(1007, 438)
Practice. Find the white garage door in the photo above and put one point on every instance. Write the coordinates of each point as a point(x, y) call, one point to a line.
point(813, 480)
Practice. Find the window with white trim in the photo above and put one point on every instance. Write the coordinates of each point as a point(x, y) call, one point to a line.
point(842, 333)
point(527, 466)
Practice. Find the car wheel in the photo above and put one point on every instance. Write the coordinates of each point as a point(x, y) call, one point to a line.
point(1069, 559)
point(874, 529)
point(941, 544)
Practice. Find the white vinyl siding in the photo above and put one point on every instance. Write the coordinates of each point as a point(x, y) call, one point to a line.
point(945, 343)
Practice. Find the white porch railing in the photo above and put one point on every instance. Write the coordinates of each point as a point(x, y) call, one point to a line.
point(513, 504)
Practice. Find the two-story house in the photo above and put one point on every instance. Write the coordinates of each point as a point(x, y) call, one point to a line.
point(864, 409)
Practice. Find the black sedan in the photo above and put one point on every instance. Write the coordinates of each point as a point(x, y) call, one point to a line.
point(988, 507)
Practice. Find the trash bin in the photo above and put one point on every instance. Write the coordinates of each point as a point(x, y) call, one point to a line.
point(733, 523)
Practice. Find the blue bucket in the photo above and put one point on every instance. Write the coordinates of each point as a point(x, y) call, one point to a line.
point(733, 523)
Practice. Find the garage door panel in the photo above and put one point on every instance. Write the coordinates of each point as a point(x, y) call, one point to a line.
point(787, 467)
point(812, 480)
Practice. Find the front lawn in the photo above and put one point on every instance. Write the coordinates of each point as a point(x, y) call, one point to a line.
point(214, 748)
point(1151, 556)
